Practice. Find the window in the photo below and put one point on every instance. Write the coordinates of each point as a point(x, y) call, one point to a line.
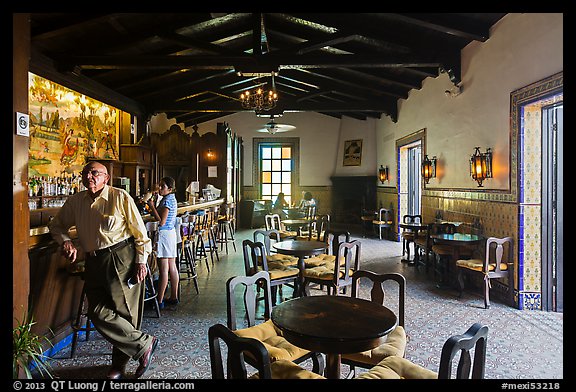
point(277, 161)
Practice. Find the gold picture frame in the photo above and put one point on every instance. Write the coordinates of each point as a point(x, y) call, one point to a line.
point(352, 152)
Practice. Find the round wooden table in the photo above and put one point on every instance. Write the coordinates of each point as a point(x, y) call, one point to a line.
point(300, 249)
point(333, 325)
point(456, 241)
point(290, 223)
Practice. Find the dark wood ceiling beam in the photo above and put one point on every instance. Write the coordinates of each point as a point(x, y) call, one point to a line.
point(193, 43)
point(231, 106)
point(245, 62)
point(436, 23)
point(73, 28)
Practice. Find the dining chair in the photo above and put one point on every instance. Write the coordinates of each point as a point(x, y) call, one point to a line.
point(256, 259)
point(383, 220)
point(498, 262)
point(423, 248)
point(238, 349)
point(442, 252)
point(274, 222)
point(395, 344)
point(316, 228)
point(268, 238)
point(466, 353)
point(336, 275)
point(408, 235)
point(333, 237)
point(276, 345)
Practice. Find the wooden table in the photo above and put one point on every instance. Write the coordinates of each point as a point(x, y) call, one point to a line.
point(289, 223)
point(300, 249)
point(333, 325)
point(456, 241)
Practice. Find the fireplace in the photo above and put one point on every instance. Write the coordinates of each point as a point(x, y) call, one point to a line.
point(351, 195)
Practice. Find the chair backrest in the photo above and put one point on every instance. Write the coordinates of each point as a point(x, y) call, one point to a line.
point(442, 228)
point(471, 364)
point(385, 217)
point(318, 226)
point(254, 254)
point(498, 250)
point(152, 230)
point(266, 237)
point(334, 238)
point(412, 219)
point(377, 293)
point(310, 212)
point(348, 254)
point(272, 221)
point(236, 347)
point(251, 284)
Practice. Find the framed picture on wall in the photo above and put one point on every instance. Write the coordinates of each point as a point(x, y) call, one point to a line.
point(352, 152)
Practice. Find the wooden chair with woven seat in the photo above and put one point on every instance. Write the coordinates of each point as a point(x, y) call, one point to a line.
point(423, 248)
point(408, 235)
point(270, 336)
point(274, 222)
point(336, 275)
point(238, 349)
point(468, 350)
point(498, 263)
point(383, 221)
point(256, 259)
point(316, 228)
point(395, 344)
point(150, 292)
point(267, 237)
point(333, 238)
point(442, 252)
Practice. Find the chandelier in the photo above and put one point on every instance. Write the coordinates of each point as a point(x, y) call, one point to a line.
point(260, 99)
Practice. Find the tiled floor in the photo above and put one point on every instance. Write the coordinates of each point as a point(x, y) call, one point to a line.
point(521, 344)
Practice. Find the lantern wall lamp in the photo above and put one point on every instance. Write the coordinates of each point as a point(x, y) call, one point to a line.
point(383, 174)
point(481, 165)
point(428, 168)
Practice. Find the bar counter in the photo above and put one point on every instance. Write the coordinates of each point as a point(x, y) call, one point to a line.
point(54, 290)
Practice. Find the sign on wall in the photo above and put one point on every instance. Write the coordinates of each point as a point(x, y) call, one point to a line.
point(353, 152)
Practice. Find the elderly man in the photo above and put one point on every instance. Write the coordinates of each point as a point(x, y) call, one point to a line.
point(112, 232)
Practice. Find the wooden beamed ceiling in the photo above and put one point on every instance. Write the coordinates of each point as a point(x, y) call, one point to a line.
point(193, 66)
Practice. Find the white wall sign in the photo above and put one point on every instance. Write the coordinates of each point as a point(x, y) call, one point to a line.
point(22, 124)
point(212, 171)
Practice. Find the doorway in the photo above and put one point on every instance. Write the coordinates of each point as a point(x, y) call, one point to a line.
point(409, 150)
point(553, 207)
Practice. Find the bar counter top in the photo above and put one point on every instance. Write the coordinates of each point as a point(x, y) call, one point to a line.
point(183, 207)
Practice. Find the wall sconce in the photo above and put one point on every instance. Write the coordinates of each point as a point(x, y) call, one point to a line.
point(210, 154)
point(428, 168)
point(481, 165)
point(383, 174)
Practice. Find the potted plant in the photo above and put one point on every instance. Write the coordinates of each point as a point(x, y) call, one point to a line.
point(28, 348)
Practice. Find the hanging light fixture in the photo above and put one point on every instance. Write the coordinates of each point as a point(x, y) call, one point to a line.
point(481, 165)
point(260, 99)
point(428, 168)
point(383, 174)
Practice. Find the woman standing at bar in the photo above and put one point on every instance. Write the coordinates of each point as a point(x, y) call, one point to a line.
point(165, 213)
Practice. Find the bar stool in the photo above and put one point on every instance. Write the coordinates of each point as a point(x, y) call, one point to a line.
point(151, 293)
point(225, 231)
point(82, 322)
point(186, 253)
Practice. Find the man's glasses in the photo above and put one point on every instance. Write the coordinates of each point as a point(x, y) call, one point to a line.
point(93, 173)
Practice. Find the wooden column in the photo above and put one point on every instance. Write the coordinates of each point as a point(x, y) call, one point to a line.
point(20, 213)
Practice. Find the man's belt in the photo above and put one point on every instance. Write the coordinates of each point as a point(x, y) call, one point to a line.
point(111, 248)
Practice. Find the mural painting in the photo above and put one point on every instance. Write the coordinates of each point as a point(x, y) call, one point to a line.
point(67, 129)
